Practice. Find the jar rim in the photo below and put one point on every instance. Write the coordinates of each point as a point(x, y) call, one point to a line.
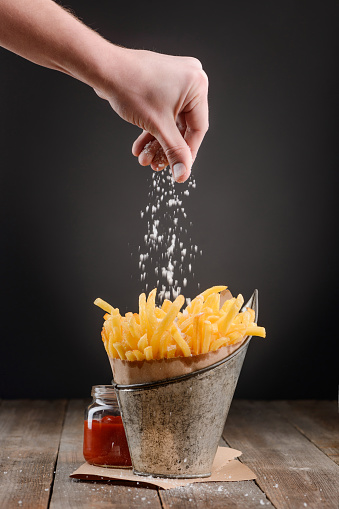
point(103, 390)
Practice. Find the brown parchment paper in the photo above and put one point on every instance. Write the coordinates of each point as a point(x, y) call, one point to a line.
point(225, 468)
point(135, 372)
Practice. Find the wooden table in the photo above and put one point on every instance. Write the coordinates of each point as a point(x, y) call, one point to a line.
point(292, 446)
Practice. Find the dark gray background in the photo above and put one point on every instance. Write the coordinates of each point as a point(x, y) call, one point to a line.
point(264, 210)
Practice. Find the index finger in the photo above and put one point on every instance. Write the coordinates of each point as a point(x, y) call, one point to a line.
point(196, 116)
point(196, 126)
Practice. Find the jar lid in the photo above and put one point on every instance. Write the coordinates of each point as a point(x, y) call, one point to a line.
point(103, 391)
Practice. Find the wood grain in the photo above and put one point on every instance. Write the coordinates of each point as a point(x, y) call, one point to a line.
point(317, 420)
point(70, 493)
point(292, 446)
point(291, 470)
point(29, 440)
point(241, 494)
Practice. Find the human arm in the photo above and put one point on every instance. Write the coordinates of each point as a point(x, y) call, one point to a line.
point(156, 92)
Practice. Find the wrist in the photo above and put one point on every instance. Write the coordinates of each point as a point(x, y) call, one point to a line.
point(91, 59)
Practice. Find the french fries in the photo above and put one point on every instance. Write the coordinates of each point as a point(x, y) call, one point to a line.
point(167, 332)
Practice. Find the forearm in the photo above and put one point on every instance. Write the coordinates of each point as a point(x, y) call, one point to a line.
point(43, 32)
point(165, 96)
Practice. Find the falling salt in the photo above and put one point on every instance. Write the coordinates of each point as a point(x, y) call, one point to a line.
point(167, 244)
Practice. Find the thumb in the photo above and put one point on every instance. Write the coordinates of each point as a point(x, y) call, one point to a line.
point(176, 150)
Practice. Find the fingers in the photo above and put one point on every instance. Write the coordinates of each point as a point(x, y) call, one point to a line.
point(196, 125)
point(153, 154)
point(176, 151)
point(171, 149)
point(149, 152)
point(140, 142)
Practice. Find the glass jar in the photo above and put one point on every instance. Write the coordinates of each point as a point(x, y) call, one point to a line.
point(105, 442)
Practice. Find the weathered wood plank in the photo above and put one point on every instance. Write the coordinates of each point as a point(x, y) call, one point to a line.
point(70, 493)
point(29, 441)
point(317, 420)
point(242, 495)
point(291, 470)
point(216, 495)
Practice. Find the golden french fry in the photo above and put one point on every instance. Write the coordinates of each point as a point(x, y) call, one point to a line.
point(190, 308)
point(218, 343)
point(108, 326)
point(116, 325)
point(171, 351)
point(120, 350)
point(213, 289)
point(213, 318)
point(103, 305)
point(165, 323)
point(159, 313)
point(166, 305)
point(180, 341)
point(227, 304)
point(235, 337)
point(143, 343)
point(198, 324)
point(136, 318)
point(152, 321)
point(139, 355)
point(103, 334)
point(130, 356)
point(163, 343)
point(195, 334)
point(127, 337)
point(237, 327)
point(186, 323)
point(206, 337)
point(213, 302)
point(142, 313)
point(109, 346)
point(197, 304)
point(112, 351)
point(200, 336)
point(215, 328)
point(225, 321)
point(148, 351)
point(254, 330)
point(134, 328)
point(243, 318)
point(189, 331)
point(252, 314)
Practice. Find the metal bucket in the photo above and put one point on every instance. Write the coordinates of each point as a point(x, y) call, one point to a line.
point(173, 426)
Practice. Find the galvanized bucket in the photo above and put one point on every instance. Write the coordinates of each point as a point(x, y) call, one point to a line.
point(173, 426)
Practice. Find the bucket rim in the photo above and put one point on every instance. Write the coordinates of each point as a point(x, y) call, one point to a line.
point(253, 302)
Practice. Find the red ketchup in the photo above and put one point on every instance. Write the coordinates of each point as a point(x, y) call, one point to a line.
point(105, 442)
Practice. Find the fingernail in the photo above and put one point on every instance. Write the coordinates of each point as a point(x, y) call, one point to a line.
point(179, 169)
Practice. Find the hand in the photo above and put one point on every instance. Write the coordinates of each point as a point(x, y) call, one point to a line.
point(166, 96)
